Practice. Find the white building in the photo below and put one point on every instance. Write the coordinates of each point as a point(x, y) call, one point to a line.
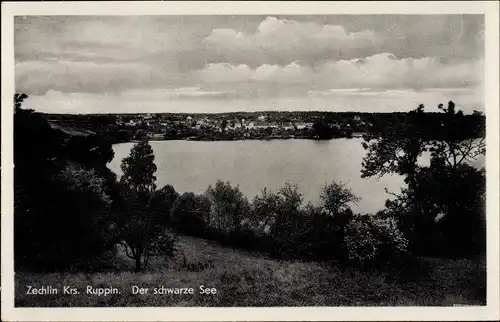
point(130, 123)
point(300, 125)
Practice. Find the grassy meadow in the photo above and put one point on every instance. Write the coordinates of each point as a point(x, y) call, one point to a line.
point(246, 279)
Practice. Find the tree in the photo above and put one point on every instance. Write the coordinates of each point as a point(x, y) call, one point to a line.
point(452, 139)
point(140, 134)
point(190, 213)
point(394, 147)
point(60, 206)
point(90, 150)
point(161, 203)
point(461, 139)
point(264, 210)
point(322, 130)
point(228, 207)
point(452, 198)
point(223, 125)
point(142, 235)
point(281, 217)
point(335, 198)
point(324, 229)
point(19, 98)
point(139, 170)
point(83, 192)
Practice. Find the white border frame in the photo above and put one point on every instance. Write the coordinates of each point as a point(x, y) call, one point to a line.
point(489, 312)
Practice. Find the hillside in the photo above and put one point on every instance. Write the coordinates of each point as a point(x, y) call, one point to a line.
point(245, 279)
point(70, 130)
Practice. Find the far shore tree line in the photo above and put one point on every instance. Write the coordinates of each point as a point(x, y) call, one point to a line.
point(73, 213)
point(181, 126)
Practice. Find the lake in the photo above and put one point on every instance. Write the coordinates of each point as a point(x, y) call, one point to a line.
point(191, 166)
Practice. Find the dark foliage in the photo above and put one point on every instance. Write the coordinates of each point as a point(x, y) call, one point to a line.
point(55, 211)
point(189, 213)
point(442, 209)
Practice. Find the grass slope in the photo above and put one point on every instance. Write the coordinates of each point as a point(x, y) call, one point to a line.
point(245, 279)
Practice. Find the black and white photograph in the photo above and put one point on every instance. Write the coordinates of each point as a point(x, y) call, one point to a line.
point(258, 160)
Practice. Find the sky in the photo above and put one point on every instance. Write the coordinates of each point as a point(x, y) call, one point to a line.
point(209, 64)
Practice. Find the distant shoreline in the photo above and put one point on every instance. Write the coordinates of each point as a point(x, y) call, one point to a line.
point(241, 139)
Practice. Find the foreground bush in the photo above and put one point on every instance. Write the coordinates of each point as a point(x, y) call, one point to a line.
point(189, 214)
point(371, 241)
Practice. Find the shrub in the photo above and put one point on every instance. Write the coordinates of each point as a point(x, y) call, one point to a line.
point(373, 241)
point(393, 244)
point(161, 203)
point(228, 208)
point(189, 214)
point(336, 198)
point(361, 243)
point(323, 235)
point(83, 180)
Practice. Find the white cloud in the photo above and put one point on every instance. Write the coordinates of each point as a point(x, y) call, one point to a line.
point(383, 71)
point(274, 33)
point(225, 73)
point(289, 40)
point(386, 71)
point(291, 73)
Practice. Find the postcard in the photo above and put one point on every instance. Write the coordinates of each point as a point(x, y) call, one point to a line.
point(236, 161)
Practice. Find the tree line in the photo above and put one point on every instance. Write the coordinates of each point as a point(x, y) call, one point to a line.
point(327, 125)
point(72, 212)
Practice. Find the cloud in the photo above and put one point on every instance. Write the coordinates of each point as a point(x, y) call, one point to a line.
point(110, 37)
point(121, 61)
point(291, 73)
point(275, 34)
point(283, 41)
point(383, 71)
point(386, 71)
point(225, 73)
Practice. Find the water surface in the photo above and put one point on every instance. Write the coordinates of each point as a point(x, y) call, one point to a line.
point(191, 166)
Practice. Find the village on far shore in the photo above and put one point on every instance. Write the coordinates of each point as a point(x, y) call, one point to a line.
point(237, 125)
point(214, 127)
